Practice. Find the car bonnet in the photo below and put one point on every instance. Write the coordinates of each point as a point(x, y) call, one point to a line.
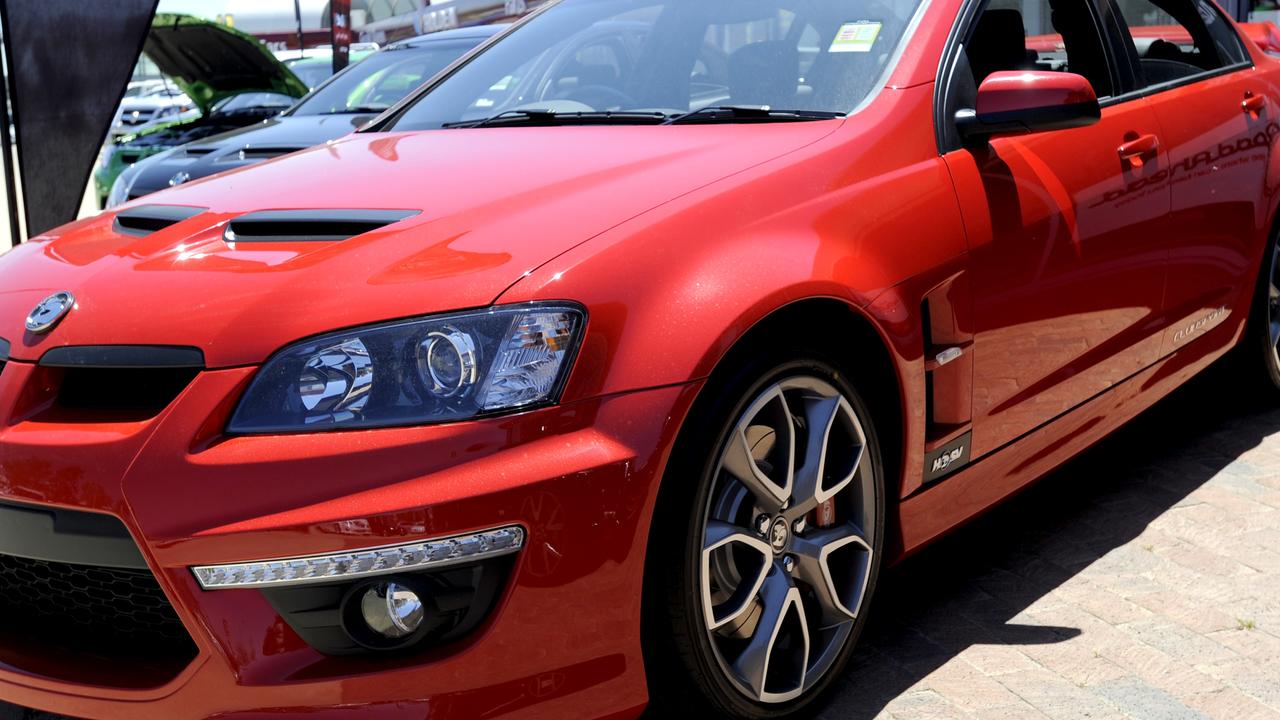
point(481, 209)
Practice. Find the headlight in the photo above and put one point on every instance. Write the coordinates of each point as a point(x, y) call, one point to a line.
point(431, 370)
point(121, 188)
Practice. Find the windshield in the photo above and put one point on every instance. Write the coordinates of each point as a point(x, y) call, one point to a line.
point(383, 79)
point(675, 57)
point(254, 101)
point(311, 71)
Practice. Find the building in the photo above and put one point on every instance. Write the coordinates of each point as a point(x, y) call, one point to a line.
point(388, 20)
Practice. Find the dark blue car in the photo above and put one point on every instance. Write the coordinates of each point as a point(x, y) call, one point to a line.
point(347, 101)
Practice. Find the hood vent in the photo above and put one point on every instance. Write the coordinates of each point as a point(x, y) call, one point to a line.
point(265, 153)
point(285, 226)
point(200, 151)
point(147, 219)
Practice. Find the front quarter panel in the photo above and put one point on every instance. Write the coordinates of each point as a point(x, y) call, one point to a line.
point(848, 217)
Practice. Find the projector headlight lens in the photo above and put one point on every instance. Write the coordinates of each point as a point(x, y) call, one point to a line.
point(447, 362)
point(430, 370)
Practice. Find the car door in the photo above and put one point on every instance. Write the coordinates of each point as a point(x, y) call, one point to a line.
point(1218, 125)
point(1067, 272)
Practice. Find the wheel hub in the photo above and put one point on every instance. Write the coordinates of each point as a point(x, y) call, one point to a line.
point(779, 536)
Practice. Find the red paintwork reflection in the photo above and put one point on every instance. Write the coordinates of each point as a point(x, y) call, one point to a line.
point(1264, 34)
point(1085, 273)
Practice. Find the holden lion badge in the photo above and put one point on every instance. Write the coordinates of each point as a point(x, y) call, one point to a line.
point(50, 311)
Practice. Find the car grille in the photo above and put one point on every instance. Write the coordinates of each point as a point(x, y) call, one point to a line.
point(140, 119)
point(93, 614)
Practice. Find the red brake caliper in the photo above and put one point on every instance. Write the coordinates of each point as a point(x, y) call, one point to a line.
point(825, 514)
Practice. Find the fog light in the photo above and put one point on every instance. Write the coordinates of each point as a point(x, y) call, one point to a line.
point(392, 610)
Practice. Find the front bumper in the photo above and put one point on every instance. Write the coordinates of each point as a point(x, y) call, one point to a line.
point(563, 640)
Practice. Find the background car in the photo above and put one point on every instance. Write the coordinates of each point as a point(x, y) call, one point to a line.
point(339, 106)
point(212, 64)
point(150, 104)
point(315, 65)
point(1265, 34)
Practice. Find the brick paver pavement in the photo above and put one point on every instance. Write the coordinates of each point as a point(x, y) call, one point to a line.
point(1140, 581)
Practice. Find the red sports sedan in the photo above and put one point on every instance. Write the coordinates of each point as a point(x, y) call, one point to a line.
point(609, 370)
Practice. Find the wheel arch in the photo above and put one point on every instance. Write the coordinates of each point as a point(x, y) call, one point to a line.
point(837, 332)
point(848, 338)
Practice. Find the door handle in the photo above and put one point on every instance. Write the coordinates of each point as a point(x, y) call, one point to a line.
point(1254, 104)
point(1136, 151)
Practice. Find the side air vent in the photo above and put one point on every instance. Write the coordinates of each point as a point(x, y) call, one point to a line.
point(4, 353)
point(280, 226)
point(147, 219)
point(264, 153)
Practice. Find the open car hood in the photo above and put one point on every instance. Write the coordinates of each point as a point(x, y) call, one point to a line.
point(211, 61)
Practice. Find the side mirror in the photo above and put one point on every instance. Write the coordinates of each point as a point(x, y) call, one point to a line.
point(1029, 101)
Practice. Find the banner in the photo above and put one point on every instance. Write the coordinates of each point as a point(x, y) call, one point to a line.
point(340, 25)
point(69, 62)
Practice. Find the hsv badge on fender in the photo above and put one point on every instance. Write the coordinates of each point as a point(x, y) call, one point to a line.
point(608, 370)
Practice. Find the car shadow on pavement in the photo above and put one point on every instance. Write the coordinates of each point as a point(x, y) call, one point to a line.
point(969, 588)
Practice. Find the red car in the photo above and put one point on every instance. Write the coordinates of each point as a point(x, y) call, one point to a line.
point(610, 370)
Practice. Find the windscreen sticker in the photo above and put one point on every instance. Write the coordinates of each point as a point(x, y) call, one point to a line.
point(856, 36)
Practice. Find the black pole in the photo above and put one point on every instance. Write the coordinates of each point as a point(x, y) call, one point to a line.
point(6, 142)
point(297, 12)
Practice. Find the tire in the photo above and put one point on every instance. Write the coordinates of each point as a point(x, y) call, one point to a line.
point(730, 556)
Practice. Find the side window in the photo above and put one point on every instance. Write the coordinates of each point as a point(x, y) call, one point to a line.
point(1176, 39)
point(1056, 36)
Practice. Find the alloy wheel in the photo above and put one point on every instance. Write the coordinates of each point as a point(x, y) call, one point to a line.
point(787, 539)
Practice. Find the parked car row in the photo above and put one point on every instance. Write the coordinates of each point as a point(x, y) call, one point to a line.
point(340, 105)
point(229, 76)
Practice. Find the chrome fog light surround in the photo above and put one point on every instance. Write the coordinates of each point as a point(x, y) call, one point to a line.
point(339, 567)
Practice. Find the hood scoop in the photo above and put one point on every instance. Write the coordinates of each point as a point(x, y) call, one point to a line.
point(266, 153)
point(144, 220)
point(291, 226)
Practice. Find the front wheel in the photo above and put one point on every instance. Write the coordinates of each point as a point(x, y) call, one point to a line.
point(766, 554)
point(1258, 356)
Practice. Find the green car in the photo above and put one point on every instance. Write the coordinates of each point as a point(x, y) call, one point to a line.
point(230, 76)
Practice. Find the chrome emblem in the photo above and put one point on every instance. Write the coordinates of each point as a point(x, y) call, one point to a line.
point(779, 535)
point(50, 311)
point(179, 179)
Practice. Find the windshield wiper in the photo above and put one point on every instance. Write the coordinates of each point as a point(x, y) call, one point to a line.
point(750, 113)
point(359, 110)
point(550, 118)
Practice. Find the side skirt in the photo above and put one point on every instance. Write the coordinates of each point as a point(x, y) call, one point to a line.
point(933, 512)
